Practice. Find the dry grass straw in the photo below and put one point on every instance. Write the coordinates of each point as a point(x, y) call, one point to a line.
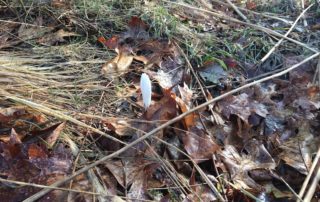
point(65, 81)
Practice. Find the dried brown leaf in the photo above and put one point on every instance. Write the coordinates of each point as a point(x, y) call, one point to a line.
point(118, 65)
point(199, 145)
point(120, 127)
point(56, 37)
point(19, 118)
point(239, 166)
point(242, 106)
point(137, 29)
point(127, 171)
point(189, 120)
point(31, 163)
point(53, 136)
point(297, 150)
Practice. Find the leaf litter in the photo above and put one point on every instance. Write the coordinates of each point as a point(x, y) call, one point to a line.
point(269, 132)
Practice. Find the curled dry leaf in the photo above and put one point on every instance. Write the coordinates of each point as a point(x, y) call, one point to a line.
point(185, 104)
point(111, 43)
point(31, 32)
point(186, 94)
point(135, 44)
point(5, 34)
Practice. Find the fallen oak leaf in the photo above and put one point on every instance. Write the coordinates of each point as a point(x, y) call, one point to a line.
point(163, 110)
point(126, 171)
point(11, 149)
point(49, 134)
point(19, 118)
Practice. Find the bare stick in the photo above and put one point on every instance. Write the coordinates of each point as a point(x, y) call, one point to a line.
point(306, 181)
point(231, 19)
point(305, 23)
point(317, 74)
point(313, 187)
point(235, 8)
point(154, 131)
point(210, 107)
point(286, 34)
point(289, 187)
point(44, 186)
point(256, 13)
point(21, 23)
point(215, 117)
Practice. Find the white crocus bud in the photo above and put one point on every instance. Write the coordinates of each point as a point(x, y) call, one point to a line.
point(145, 86)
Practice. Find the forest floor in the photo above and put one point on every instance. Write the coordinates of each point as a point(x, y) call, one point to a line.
point(235, 103)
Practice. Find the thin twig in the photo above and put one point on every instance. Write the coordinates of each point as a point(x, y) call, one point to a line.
point(231, 19)
point(235, 8)
point(299, 199)
point(317, 74)
point(305, 23)
point(289, 22)
point(22, 23)
point(51, 187)
point(214, 115)
point(306, 181)
point(286, 34)
point(245, 192)
point(154, 131)
point(313, 187)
